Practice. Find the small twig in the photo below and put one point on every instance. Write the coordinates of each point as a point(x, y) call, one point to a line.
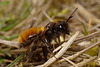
point(1, 54)
point(90, 23)
point(80, 19)
point(98, 61)
point(61, 52)
point(70, 62)
point(86, 61)
point(47, 16)
point(80, 52)
point(94, 28)
point(86, 14)
point(58, 48)
point(84, 38)
point(99, 51)
point(9, 43)
point(34, 63)
point(30, 17)
point(16, 51)
point(6, 60)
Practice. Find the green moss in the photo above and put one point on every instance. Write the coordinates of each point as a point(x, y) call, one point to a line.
point(92, 52)
point(63, 12)
point(92, 64)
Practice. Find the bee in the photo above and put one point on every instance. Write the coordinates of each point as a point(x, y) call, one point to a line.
point(43, 36)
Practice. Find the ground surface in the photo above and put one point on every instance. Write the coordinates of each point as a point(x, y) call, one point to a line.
point(18, 15)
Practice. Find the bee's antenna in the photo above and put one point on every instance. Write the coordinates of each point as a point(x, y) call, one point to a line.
point(71, 15)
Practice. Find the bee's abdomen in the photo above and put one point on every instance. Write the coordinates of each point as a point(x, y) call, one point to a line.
point(23, 37)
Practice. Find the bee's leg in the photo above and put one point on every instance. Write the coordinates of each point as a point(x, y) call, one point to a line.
point(64, 37)
point(50, 50)
point(58, 36)
point(33, 48)
point(48, 45)
point(57, 40)
point(45, 52)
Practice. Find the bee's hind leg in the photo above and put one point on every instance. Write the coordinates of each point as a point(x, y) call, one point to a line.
point(32, 50)
point(45, 52)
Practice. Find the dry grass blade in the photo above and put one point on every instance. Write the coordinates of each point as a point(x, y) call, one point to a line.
point(9, 43)
point(90, 23)
point(97, 27)
point(16, 51)
point(1, 54)
point(86, 61)
point(80, 52)
point(84, 38)
point(86, 14)
point(61, 52)
point(47, 16)
point(6, 60)
point(70, 62)
point(17, 16)
point(30, 17)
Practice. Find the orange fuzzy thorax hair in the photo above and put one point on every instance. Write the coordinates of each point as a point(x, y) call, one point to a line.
point(34, 30)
